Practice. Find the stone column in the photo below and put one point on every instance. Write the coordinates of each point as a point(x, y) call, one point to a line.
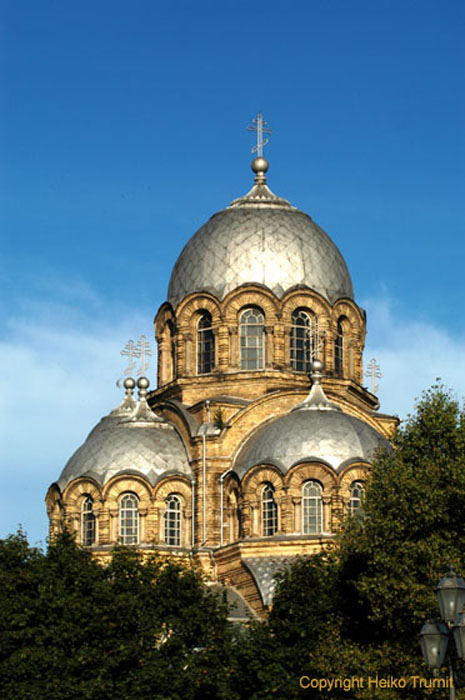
point(284, 511)
point(233, 348)
point(269, 331)
point(186, 533)
point(164, 360)
point(336, 507)
point(279, 346)
point(113, 529)
point(297, 503)
point(255, 513)
point(189, 355)
point(161, 524)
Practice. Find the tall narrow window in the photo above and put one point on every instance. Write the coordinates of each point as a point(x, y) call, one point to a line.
point(252, 334)
point(205, 344)
point(173, 520)
point(301, 341)
point(88, 521)
point(357, 492)
point(129, 519)
point(339, 350)
point(312, 508)
point(269, 511)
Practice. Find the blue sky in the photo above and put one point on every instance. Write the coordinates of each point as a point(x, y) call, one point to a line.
point(123, 128)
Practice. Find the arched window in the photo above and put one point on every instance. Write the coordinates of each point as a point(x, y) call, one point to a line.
point(269, 511)
point(252, 335)
point(173, 520)
point(339, 350)
point(301, 341)
point(205, 344)
point(129, 519)
point(312, 508)
point(357, 492)
point(88, 521)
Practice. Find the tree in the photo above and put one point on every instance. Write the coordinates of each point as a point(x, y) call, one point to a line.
point(356, 610)
point(140, 627)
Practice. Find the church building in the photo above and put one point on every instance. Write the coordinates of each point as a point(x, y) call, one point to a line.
point(259, 435)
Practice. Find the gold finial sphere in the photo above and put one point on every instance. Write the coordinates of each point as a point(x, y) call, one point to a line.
point(143, 383)
point(260, 165)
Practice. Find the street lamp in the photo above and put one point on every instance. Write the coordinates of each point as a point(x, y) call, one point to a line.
point(435, 636)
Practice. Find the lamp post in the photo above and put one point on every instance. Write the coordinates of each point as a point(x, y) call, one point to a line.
point(435, 636)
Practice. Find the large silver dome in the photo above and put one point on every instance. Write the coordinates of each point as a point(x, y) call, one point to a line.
point(328, 436)
point(128, 442)
point(260, 238)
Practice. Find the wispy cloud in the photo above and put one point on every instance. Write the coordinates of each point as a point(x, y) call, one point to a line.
point(60, 364)
point(412, 355)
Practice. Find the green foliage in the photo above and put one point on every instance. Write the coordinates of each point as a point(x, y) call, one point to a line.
point(219, 421)
point(72, 629)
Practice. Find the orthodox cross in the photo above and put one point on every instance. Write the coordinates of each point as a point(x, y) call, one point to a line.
point(131, 351)
point(373, 371)
point(260, 126)
point(145, 352)
point(318, 343)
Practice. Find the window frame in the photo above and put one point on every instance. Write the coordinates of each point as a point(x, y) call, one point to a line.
point(339, 349)
point(312, 508)
point(88, 522)
point(170, 524)
point(356, 502)
point(252, 354)
point(132, 537)
point(205, 345)
point(305, 340)
point(269, 511)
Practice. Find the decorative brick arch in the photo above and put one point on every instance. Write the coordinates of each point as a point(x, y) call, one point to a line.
point(352, 313)
point(78, 489)
point(255, 478)
point(241, 298)
point(164, 315)
point(354, 472)
point(314, 471)
point(299, 299)
point(171, 485)
point(188, 311)
point(123, 483)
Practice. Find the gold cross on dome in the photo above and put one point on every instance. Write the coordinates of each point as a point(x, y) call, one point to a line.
point(145, 353)
point(131, 351)
point(260, 126)
point(373, 371)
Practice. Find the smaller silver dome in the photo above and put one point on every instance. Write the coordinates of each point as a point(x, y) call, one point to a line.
point(326, 435)
point(128, 441)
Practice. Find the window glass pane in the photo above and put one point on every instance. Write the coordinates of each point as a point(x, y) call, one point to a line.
point(205, 345)
point(301, 341)
point(252, 339)
point(129, 519)
point(339, 351)
point(312, 508)
point(357, 492)
point(269, 512)
point(88, 522)
point(173, 521)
